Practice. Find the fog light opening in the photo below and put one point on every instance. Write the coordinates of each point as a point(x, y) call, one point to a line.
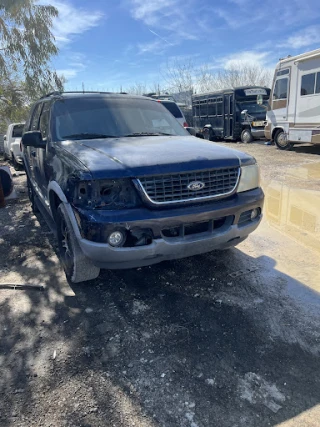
point(116, 238)
point(254, 214)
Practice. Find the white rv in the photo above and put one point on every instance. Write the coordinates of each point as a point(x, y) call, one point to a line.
point(293, 115)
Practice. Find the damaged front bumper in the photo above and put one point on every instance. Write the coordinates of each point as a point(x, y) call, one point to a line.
point(170, 233)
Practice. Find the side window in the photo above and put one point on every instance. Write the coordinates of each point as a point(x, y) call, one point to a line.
point(212, 107)
point(44, 120)
point(318, 83)
point(35, 118)
point(219, 106)
point(281, 89)
point(203, 108)
point(307, 84)
point(196, 109)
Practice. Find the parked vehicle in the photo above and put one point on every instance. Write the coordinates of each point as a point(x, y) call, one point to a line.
point(174, 109)
point(126, 185)
point(12, 140)
point(231, 114)
point(294, 113)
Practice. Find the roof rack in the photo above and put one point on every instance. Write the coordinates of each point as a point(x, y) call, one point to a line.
point(57, 93)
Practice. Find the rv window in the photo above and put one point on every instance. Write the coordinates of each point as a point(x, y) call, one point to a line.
point(281, 89)
point(212, 107)
point(318, 83)
point(219, 106)
point(307, 84)
point(282, 72)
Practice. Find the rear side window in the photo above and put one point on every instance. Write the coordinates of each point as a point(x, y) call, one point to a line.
point(173, 108)
point(44, 120)
point(17, 131)
point(35, 117)
point(307, 84)
point(281, 89)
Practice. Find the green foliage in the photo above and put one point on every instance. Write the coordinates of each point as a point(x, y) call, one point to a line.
point(27, 44)
point(26, 47)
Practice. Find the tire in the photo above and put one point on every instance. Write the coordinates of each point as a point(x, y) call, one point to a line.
point(281, 141)
point(32, 197)
point(16, 165)
point(207, 134)
point(246, 136)
point(78, 268)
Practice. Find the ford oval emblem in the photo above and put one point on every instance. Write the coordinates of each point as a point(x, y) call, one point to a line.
point(196, 185)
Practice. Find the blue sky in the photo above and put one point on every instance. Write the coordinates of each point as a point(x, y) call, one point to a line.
point(112, 43)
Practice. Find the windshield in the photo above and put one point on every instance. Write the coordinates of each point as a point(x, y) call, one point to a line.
point(252, 107)
point(173, 108)
point(103, 117)
point(17, 131)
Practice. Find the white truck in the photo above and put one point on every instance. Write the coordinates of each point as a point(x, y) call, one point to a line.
point(293, 115)
point(12, 138)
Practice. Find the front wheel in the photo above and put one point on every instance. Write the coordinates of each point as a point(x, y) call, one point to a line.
point(281, 141)
point(77, 266)
point(207, 134)
point(246, 136)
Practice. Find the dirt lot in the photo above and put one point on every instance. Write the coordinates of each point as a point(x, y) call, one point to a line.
point(225, 339)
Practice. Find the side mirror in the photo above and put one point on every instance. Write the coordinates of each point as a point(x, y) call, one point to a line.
point(244, 112)
point(5, 137)
point(33, 139)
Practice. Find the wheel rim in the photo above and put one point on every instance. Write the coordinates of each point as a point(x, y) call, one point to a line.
point(282, 139)
point(246, 136)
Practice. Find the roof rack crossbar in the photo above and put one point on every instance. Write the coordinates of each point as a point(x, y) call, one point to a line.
point(57, 93)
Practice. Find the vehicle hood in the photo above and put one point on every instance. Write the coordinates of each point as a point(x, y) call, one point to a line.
point(139, 156)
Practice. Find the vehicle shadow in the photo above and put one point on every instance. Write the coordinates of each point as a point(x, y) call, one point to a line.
point(307, 149)
point(181, 343)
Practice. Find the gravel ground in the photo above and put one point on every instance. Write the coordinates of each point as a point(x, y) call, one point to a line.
point(225, 339)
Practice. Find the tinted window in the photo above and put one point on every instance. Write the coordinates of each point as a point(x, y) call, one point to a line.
point(79, 118)
point(318, 83)
point(307, 84)
point(196, 109)
point(212, 107)
point(35, 118)
point(17, 131)
point(44, 120)
point(283, 72)
point(203, 108)
point(173, 108)
point(281, 89)
point(219, 106)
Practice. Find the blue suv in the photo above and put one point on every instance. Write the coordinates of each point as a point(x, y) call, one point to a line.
point(127, 186)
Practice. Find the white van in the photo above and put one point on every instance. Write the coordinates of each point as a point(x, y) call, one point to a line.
point(12, 140)
point(293, 115)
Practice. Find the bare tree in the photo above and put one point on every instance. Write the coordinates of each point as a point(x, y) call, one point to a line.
point(180, 78)
point(239, 74)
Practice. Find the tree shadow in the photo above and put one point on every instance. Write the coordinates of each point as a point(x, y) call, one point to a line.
point(209, 340)
point(177, 343)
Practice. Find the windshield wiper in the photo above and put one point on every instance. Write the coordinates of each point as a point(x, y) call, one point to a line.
point(148, 134)
point(87, 135)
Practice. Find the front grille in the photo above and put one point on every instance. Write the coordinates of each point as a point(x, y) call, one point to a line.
point(173, 188)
